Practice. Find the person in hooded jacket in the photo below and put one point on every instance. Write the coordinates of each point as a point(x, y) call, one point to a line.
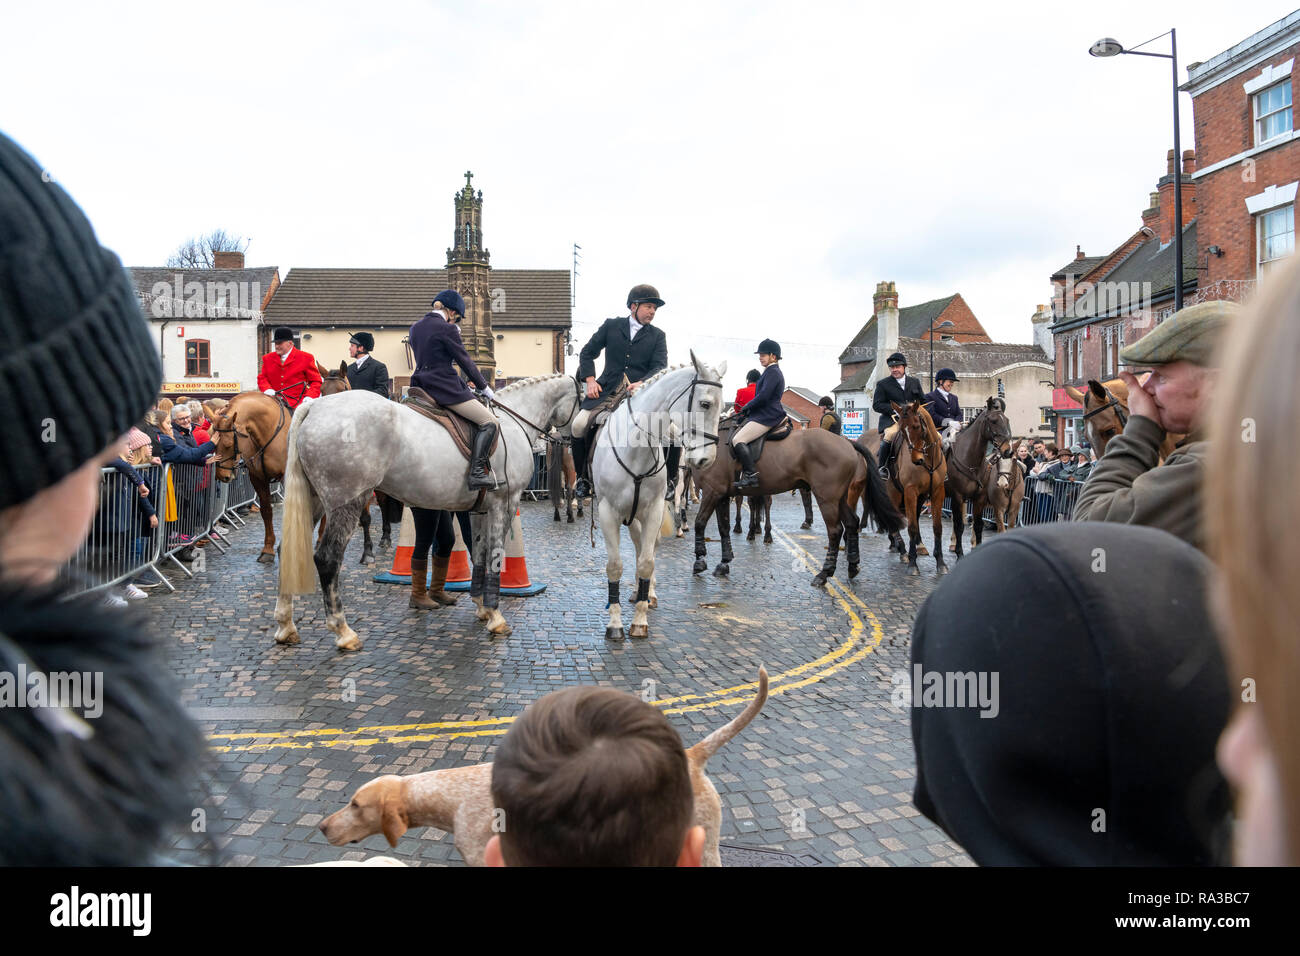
point(1065, 713)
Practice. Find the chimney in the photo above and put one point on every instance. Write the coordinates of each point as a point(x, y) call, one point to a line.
point(227, 260)
point(1078, 252)
point(1151, 215)
point(1166, 189)
point(1042, 323)
point(886, 302)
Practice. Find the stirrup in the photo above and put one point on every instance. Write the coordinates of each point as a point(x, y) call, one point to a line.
point(747, 479)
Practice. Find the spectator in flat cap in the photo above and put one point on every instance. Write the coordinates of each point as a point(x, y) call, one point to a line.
point(366, 372)
point(1251, 513)
point(1067, 717)
point(1126, 485)
point(107, 779)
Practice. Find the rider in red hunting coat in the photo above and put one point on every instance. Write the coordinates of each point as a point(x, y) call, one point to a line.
point(289, 371)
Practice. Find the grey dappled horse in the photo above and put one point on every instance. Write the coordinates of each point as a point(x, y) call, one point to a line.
point(341, 446)
point(676, 406)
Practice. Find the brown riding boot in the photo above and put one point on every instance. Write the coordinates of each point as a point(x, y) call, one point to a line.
point(439, 579)
point(419, 593)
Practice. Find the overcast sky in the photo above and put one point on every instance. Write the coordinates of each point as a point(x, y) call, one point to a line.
point(763, 164)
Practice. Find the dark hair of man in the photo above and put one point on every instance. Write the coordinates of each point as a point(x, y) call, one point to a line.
point(590, 776)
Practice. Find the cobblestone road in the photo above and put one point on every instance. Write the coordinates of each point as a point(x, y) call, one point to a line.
point(822, 777)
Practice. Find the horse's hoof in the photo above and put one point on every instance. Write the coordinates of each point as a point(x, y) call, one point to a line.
point(942, 568)
point(287, 635)
point(750, 537)
point(570, 519)
point(853, 570)
point(700, 565)
point(806, 525)
point(348, 641)
point(482, 613)
point(921, 551)
point(385, 542)
point(639, 630)
point(915, 571)
point(819, 581)
point(266, 557)
point(722, 571)
point(654, 602)
point(614, 634)
point(501, 630)
point(557, 516)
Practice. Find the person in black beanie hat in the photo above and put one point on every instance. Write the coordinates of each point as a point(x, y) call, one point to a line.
point(1096, 745)
point(108, 779)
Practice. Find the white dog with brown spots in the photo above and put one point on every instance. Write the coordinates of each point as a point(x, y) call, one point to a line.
point(459, 799)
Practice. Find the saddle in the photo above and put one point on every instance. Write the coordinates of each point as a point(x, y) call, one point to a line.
point(775, 433)
point(460, 429)
point(603, 409)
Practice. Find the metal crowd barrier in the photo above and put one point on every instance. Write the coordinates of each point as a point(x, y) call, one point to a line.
point(539, 486)
point(121, 544)
point(1045, 499)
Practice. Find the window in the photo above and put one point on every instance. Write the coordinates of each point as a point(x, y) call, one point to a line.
point(1071, 432)
point(848, 405)
point(1273, 112)
point(1276, 236)
point(196, 358)
point(1107, 366)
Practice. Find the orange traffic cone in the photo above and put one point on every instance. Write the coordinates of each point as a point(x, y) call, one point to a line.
point(458, 571)
point(514, 574)
point(400, 573)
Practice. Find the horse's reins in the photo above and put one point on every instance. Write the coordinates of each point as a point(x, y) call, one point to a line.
point(964, 469)
point(234, 442)
point(520, 420)
point(1120, 411)
point(637, 479)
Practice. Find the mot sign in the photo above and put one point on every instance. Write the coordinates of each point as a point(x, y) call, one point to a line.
point(851, 424)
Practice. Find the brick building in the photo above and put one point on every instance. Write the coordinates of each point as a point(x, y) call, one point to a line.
point(1249, 153)
point(1102, 303)
point(801, 405)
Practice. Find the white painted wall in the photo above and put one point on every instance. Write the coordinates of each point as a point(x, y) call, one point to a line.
point(232, 348)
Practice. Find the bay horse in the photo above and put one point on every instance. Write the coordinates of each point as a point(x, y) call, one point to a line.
point(965, 460)
point(561, 477)
point(343, 446)
point(1105, 413)
point(678, 406)
point(1005, 479)
point(838, 473)
point(334, 381)
point(918, 475)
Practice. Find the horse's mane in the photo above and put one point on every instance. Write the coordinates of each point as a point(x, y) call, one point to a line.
point(663, 372)
point(531, 380)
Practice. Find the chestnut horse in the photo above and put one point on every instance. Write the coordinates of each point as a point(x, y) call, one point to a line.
point(254, 428)
point(918, 475)
point(836, 470)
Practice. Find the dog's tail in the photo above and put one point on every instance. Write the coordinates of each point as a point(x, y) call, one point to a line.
point(706, 748)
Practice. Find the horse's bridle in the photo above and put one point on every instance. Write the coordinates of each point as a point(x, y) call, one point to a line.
point(234, 442)
point(1000, 440)
point(1120, 411)
point(690, 404)
point(544, 433)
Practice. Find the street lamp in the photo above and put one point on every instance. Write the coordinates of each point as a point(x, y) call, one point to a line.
point(945, 324)
point(1111, 47)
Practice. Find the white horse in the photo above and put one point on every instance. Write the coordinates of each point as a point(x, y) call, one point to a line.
point(342, 445)
point(675, 406)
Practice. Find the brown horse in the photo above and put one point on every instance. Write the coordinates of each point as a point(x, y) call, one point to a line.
point(561, 477)
point(965, 460)
point(254, 428)
point(833, 467)
point(334, 381)
point(1005, 480)
point(1105, 413)
point(918, 475)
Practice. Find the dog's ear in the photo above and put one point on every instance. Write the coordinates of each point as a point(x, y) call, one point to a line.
point(391, 821)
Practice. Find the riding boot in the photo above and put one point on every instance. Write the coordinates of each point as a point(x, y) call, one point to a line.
point(748, 473)
point(582, 488)
point(439, 579)
point(479, 475)
point(419, 593)
point(673, 467)
point(883, 455)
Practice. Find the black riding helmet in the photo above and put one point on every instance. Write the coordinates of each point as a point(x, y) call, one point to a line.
point(644, 293)
point(770, 347)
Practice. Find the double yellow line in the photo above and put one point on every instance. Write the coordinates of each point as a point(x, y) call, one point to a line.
point(852, 650)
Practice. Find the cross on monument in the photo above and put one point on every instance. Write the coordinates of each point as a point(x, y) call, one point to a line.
point(468, 176)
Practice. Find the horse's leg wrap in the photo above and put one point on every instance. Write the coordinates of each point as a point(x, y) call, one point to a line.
point(642, 589)
point(476, 580)
point(613, 594)
point(492, 590)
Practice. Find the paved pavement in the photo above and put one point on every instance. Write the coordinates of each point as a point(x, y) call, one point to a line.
point(822, 777)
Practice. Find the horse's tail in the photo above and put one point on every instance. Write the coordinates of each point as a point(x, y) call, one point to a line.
point(555, 473)
point(667, 524)
point(297, 569)
point(876, 502)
